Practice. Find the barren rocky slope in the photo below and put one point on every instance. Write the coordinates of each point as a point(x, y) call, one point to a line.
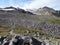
point(49, 23)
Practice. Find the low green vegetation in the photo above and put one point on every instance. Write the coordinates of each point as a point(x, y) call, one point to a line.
point(53, 21)
point(3, 32)
point(23, 30)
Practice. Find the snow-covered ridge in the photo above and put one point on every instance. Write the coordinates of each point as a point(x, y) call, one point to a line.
point(7, 9)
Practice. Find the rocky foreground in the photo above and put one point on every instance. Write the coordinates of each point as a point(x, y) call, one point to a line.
point(24, 40)
point(20, 20)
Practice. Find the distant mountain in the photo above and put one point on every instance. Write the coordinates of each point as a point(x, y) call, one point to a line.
point(8, 16)
point(10, 7)
point(13, 10)
point(46, 11)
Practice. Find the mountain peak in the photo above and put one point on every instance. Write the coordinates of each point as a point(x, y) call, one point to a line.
point(45, 11)
point(45, 7)
point(11, 7)
point(8, 8)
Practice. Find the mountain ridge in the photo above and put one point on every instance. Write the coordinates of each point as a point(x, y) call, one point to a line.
point(46, 11)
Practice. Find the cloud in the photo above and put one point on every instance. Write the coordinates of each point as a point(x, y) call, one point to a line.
point(35, 4)
point(11, 2)
point(41, 3)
